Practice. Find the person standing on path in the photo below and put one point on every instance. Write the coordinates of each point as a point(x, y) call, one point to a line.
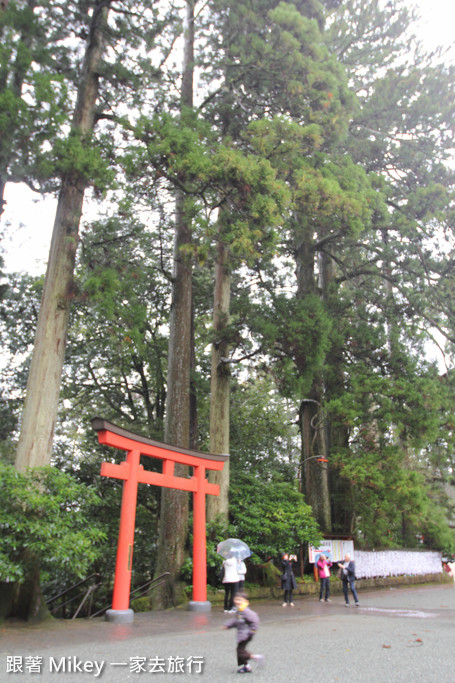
point(241, 571)
point(323, 564)
point(451, 570)
point(230, 581)
point(288, 582)
point(348, 577)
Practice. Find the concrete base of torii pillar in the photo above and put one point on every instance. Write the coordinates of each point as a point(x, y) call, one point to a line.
point(119, 616)
point(199, 606)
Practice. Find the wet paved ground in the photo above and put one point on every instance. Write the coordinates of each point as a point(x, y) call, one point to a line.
point(395, 635)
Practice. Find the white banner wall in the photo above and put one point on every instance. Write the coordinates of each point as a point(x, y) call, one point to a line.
point(369, 564)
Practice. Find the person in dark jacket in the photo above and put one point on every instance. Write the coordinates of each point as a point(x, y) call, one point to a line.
point(247, 623)
point(348, 578)
point(288, 582)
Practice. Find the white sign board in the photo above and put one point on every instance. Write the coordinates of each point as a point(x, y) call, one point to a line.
point(334, 550)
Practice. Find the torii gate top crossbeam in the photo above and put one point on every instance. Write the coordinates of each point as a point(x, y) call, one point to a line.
point(158, 449)
point(110, 434)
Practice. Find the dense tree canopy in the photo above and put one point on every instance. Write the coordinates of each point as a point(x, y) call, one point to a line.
point(288, 196)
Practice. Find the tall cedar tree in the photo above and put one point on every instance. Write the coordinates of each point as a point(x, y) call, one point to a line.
point(43, 386)
point(173, 529)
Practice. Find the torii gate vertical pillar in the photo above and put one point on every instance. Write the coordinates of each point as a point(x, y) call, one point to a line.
point(199, 602)
point(133, 473)
point(124, 563)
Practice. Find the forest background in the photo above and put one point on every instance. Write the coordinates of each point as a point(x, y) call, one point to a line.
point(252, 251)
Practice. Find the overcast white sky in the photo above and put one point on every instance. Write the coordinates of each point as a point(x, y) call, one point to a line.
point(27, 241)
point(437, 23)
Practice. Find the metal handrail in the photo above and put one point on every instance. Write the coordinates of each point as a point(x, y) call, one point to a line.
point(148, 584)
point(76, 585)
point(70, 600)
point(91, 589)
point(158, 581)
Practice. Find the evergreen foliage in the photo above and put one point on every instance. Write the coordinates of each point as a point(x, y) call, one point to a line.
point(270, 524)
point(318, 159)
point(44, 517)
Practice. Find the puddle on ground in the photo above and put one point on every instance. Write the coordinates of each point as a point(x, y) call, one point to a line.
point(414, 614)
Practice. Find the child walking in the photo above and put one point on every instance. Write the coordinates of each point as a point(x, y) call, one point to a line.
point(247, 623)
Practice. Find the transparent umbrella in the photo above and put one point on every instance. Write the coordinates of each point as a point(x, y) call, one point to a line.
point(233, 546)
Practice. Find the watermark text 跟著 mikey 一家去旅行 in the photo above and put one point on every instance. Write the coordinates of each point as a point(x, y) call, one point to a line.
point(140, 665)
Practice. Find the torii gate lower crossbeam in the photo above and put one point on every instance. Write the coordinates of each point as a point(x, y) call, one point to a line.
point(132, 473)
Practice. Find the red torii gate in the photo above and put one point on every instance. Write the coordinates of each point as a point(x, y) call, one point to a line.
point(133, 473)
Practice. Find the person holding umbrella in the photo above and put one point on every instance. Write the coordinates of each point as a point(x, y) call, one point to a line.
point(234, 551)
point(231, 581)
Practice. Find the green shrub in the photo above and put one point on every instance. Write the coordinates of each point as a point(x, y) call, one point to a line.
point(141, 604)
point(44, 520)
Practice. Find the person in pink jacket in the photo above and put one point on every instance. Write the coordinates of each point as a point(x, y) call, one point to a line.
point(323, 564)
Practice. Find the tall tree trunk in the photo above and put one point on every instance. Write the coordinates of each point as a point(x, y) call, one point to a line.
point(25, 600)
point(314, 473)
point(315, 483)
point(218, 506)
point(194, 425)
point(173, 530)
point(43, 386)
point(341, 493)
point(393, 333)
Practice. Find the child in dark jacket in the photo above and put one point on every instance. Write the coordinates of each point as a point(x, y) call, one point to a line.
point(247, 623)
